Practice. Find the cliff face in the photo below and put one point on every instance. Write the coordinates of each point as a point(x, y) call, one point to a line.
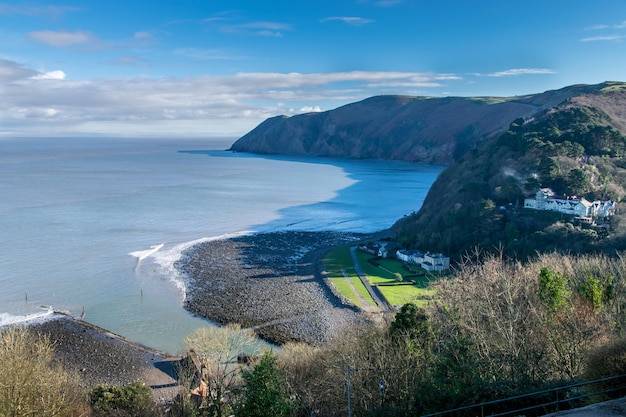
point(436, 130)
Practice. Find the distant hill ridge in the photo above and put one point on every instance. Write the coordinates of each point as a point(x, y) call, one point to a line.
point(424, 129)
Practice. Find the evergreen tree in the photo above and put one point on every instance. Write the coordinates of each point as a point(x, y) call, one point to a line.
point(265, 390)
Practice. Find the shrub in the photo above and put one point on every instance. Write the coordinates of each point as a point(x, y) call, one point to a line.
point(606, 361)
point(132, 400)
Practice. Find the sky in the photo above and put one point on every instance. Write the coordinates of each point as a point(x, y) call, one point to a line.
point(218, 68)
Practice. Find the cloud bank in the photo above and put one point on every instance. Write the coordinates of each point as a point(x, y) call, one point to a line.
point(49, 103)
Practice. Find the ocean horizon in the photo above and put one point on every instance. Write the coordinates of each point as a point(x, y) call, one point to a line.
point(93, 226)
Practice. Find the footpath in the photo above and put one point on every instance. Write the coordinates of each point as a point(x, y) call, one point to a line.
point(357, 268)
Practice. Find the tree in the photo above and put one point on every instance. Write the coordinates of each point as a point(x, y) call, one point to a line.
point(30, 383)
point(554, 289)
point(217, 349)
point(548, 169)
point(413, 322)
point(578, 182)
point(592, 291)
point(265, 390)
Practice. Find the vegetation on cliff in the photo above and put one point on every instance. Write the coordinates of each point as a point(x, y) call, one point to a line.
point(576, 148)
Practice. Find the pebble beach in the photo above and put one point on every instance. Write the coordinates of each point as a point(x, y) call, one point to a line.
point(100, 357)
point(273, 283)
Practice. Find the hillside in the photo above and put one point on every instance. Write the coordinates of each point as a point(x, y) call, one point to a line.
point(426, 129)
point(500, 151)
point(575, 148)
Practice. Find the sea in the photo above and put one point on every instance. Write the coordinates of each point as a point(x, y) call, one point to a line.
point(93, 226)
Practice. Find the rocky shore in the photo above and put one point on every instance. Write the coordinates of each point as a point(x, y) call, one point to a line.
point(271, 282)
point(100, 357)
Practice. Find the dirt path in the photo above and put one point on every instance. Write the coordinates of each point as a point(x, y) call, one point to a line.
point(381, 304)
point(362, 300)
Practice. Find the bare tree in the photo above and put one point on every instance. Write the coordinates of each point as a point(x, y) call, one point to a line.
point(217, 349)
point(30, 382)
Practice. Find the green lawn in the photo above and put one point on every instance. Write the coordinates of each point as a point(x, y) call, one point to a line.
point(396, 295)
point(338, 259)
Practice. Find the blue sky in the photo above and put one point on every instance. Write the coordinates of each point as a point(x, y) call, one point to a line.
point(218, 68)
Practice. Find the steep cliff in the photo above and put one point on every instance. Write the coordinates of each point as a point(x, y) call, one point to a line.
point(426, 129)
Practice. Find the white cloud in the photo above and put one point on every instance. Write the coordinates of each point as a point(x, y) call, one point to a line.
point(521, 71)
point(350, 20)
point(597, 27)
point(62, 38)
point(310, 109)
point(52, 75)
point(602, 38)
point(203, 54)
point(606, 37)
point(52, 102)
point(274, 29)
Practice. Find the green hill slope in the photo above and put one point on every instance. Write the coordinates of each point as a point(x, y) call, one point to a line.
point(575, 148)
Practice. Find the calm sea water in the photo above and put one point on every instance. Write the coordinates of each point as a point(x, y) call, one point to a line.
point(94, 225)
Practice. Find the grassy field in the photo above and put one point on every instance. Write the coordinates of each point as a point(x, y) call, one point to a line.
point(398, 295)
point(339, 261)
point(381, 271)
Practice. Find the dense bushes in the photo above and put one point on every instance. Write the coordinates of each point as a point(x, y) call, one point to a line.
point(498, 329)
point(132, 400)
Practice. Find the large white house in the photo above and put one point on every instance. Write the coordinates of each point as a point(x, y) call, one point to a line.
point(435, 262)
point(545, 200)
point(428, 261)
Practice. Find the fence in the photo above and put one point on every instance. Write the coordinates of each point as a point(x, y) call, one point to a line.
point(543, 402)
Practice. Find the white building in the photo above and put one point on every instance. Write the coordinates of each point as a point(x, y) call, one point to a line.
point(545, 200)
point(410, 256)
point(435, 262)
point(428, 261)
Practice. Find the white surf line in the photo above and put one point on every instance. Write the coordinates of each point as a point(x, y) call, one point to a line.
point(7, 319)
point(143, 254)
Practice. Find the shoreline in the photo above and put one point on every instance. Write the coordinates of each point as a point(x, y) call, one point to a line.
point(271, 282)
point(99, 356)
